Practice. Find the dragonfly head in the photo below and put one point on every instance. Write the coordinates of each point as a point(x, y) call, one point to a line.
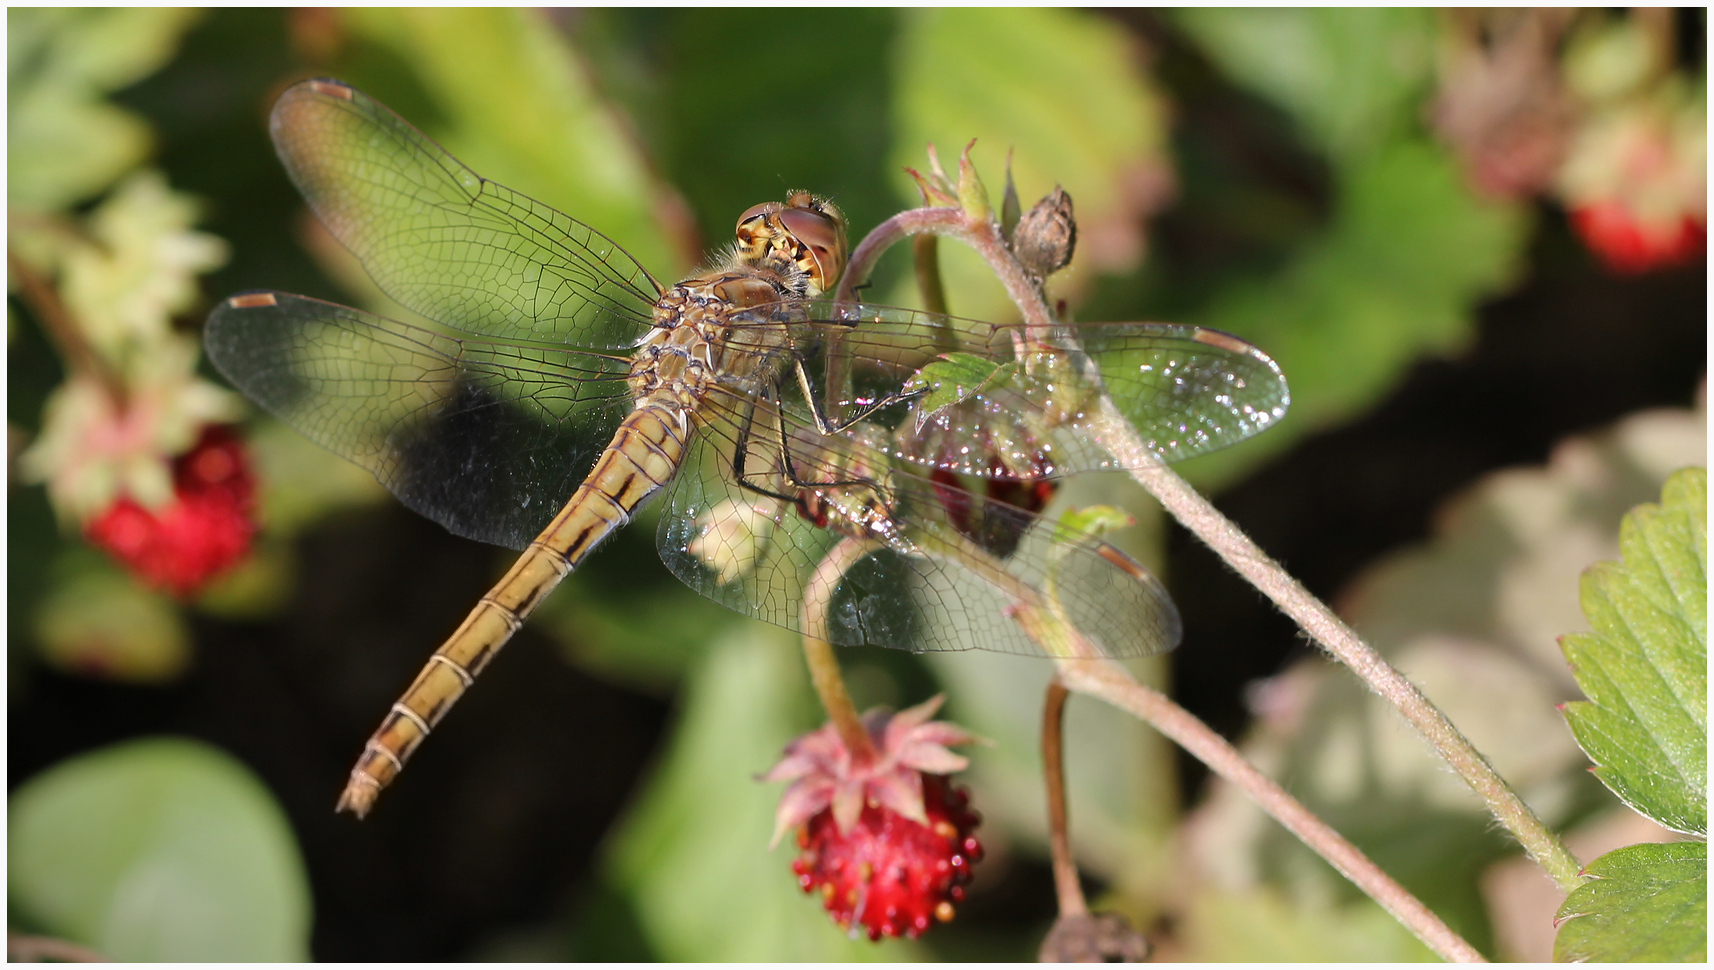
point(805, 234)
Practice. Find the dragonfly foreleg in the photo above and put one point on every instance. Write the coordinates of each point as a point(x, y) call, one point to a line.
point(826, 426)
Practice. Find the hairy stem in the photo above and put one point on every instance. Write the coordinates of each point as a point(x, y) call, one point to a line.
point(1198, 515)
point(818, 653)
point(1065, 884)
point(1083, 669)
point(1334, 635)
point(1111, 683)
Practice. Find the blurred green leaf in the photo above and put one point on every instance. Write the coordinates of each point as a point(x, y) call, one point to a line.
point(692, 859)
point(1410, 251)
point(161, 849)
point(1410, 254)
point(1644, 669)
point(1644, 903)
point(720, 133)
point(1469, 616)
point(1065, 91)
point(642, 635)
point(65, 143)
point(257, 587)
point(516, 105)
point(1265, 927)
point(96, 621)
point(1351, 76)
point(1097, 520)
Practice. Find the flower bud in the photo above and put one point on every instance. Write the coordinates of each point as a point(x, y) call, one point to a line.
point(1047, 235)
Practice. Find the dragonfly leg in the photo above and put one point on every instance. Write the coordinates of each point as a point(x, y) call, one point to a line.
point(825, 425)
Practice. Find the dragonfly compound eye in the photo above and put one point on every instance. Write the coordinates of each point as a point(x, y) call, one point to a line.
point(823, 234)
point(745, 230)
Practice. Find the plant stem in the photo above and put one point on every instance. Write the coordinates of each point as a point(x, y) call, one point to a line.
point(1197, 514)
point(1334, 635)
point(1083, 669)
point(62, 330)
point(1065, 884)
point(818, 653)
point(1111, 683)
point(925, 252)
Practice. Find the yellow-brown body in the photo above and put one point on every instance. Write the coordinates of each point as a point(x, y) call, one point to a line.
point(672, 371)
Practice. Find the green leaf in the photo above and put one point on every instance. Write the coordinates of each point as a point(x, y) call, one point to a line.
point(1061, 88)
point(953, 379)
point(1350, 76)
point(1410, 251)
point(692, 860)
point(1644, 669)
point(1644, 903)
point(63, 147)
point(516, 105)
point(1264, 925)
point(98, 621)
point(675, 72)
point(65, 143)
point(1399, 273)
point(1097, 520)
point(160, 849)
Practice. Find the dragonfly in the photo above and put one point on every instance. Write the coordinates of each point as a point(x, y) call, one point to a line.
point(800, 444)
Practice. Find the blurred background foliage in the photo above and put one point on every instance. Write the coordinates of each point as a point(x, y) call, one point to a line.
point(1310, 180)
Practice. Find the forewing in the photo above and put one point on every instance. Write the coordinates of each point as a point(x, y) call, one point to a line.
point(488, 439)
point(1186, 390)
point(445, 242)
point(921, 584)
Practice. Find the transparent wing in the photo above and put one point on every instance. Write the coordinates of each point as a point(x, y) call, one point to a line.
point(486, 438)
point(447, 243)
point(1187, 390)
point(752, 537)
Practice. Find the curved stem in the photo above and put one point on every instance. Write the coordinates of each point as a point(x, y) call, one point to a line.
point(1111, 683)
point(1114, 433)
point(942, 220)
point(1334, 635)
point(818, 653)
point(1065, 884)
point(1083, 669)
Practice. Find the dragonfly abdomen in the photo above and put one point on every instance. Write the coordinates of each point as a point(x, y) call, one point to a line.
point(643, 455)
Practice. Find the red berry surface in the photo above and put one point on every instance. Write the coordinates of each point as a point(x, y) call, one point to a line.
point(888, 874)
point(1625, 245)
point(202, 532)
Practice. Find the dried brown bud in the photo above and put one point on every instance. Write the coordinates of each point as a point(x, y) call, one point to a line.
point(1046, 235)
point(1093, 938)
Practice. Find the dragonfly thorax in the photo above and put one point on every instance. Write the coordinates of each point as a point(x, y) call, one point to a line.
point(686, 349)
